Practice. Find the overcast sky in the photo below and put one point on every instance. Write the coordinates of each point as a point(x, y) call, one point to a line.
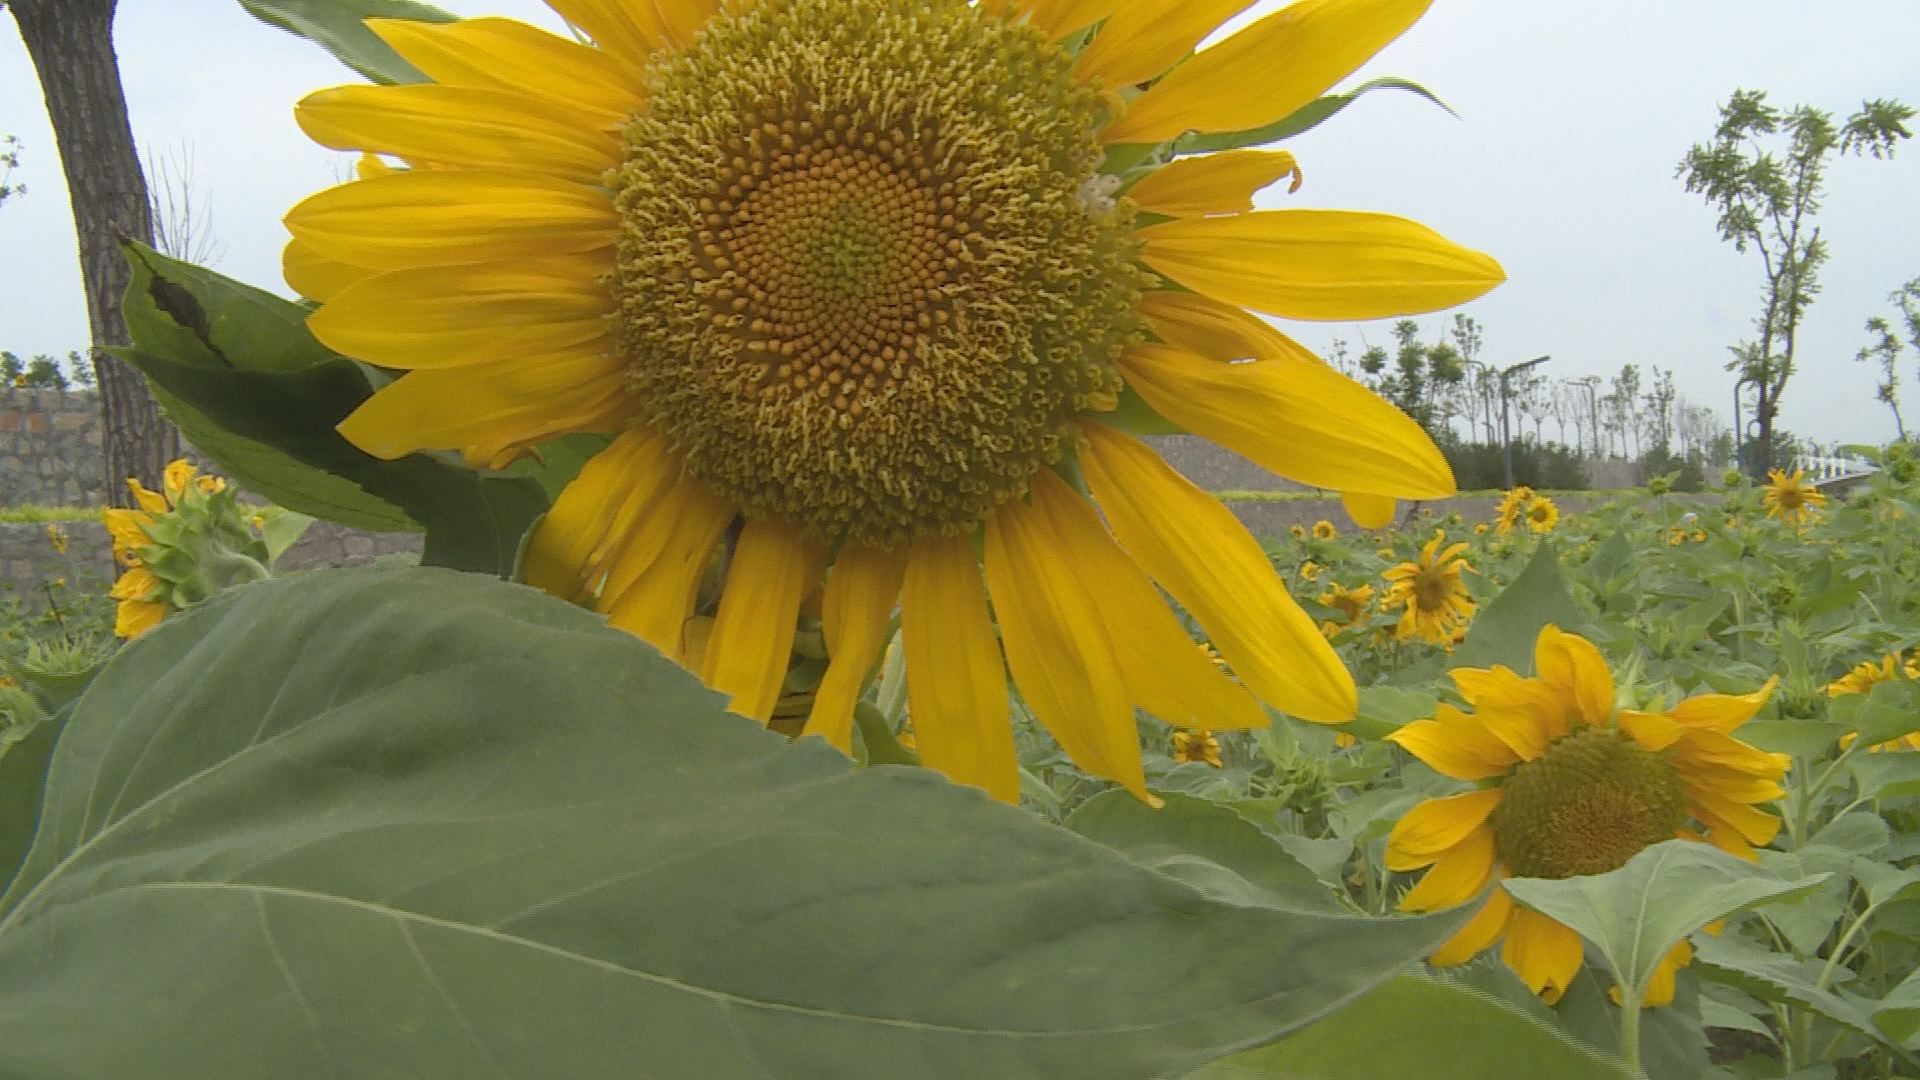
point(1573, 117)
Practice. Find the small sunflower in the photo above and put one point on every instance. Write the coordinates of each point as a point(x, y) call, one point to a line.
point(1310, 570)
point(1355, 604)
point(1324, 530)
point(58, 538)
point(847, 282)
point(1298, 532)
point(1571, 786)
point(1513, 505)
point(1431, 592)
point(1789, 498)
point(1480, 528)
point(1676, 537)
point(1542, 515)
point(1201, 746)
point(1863, 678)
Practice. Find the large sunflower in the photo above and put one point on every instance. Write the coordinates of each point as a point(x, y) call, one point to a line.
point(1571, 786)
point(863, 290)
point(1862, 678)
point(1790, 498)
point(1434, 600)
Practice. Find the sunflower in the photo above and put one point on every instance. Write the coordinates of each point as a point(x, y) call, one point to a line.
point(1513, 504)
point(1200, 746)
point(1790, 499)
point(1298, 532)
point(1480, 528)
point(1352, 603)
point(1570, 786)
point(1324, 530)
point(1542, 515)
point(142, 597)
point(1432, 593)
point(1862, 678)
point(1676, 537)
point(847, 283)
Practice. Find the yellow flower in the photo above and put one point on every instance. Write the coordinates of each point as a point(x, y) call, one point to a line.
point(846, 281)
point(1542, 515)
point(127, 529)
point(1310, 570)
point(211, 485)
point(58, 537)
point(1298, 532)
point(1862, 678)
point(179, 474)
point(1431, 591)
point(1676, 537)
point(1480, 528)
point(143, 602)
point(1197, 746)
point(1324, 530)
point(1570, 786)
point(1788, 499)
point(151, 502)
point(1513, 504)
point(1699, 536)
point(1352, 603)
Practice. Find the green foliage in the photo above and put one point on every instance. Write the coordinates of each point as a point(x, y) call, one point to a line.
point(466, 828)
point(250, 387)
point(339, 27)
point(1541, 467)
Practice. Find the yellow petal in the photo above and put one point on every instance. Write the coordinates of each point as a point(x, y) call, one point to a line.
point(654, 572)
point(138, 584)
point(1057, 642)
point(1651, 731)
point(1222, 183)
point(1455, 745)
point(460, 125)
point(1058, 18)
point(861, 592)
point(504, 54)
point(1319, 264)
point(624, 29)
point(1660, 986)
point(1545, 954)
point(133, 617)
point(493, 412)
point(1572, 665)
point(1722, 712)
point(1205, 326)
point(315, 276)
point(1368, 511)
point(412, 219)
point(1267, 71)
point(151, 501)
point(455, 315)
point(634, 470)
point(1146, 37)
point(956, 687)
point(1729, 822)
point(1481, 931)
point(1436, 825)
point(1299, 418)
point(746, 656)
point(1459, 874)
point(1200, 553)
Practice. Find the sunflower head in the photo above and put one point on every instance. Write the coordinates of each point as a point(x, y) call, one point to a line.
point(1353, 604)
point(1862, 678)
point(1541, 514)
point(848, 283)
point(1571, 784)
point(1789, 498)
point(1197, 746)
point(1431, 594)
point(1324, 530)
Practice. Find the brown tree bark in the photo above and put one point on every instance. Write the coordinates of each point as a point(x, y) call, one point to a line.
point(71, 43)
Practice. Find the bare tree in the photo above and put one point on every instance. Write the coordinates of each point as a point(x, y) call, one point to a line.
point(182, 214)
point(71, 45)
point(9, 161)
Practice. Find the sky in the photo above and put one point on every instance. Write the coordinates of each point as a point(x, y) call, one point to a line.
point(1572, 118)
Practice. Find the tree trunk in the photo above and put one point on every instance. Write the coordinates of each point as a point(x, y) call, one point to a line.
point(71, 43)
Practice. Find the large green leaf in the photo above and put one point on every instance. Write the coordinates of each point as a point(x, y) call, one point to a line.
point(1505, 630)
point(1433, 1029)
point(337, 26)
point(410, 823)
point(23, 771)
point(1899, 1015)
point(1209, 846)
point(1772, 976)
point(255, 391)
point(1636, 914)
point(1304, 119)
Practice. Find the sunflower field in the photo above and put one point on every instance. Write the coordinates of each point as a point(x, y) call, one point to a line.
point(811, 670)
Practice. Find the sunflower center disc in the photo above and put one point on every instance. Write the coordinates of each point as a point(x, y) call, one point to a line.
point(859, 284)
point(1431, 588)
point(1594, 800)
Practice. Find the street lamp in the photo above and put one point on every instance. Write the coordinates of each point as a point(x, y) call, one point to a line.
point(1506, 436)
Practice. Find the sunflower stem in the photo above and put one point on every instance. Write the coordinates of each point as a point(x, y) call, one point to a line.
point(1630, 1032)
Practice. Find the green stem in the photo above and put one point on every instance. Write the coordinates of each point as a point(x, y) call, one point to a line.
point(1630, 1032)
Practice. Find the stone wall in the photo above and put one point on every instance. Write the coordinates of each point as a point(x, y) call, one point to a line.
point(50, 448)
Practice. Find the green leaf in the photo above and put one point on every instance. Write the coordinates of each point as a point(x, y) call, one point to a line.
point(1885, 776)
point(1898, 1015)
point(1206, 845)
point(245, 365)
point(1431, 1028)
point(1889, 710)
point(337, 26)
point(1804, 739)
point(413, 823)
point(1772, 976)
point(1673, 1040)
point(1386, 709)
point(23, 771)
point(1304, 119)
point(281, 529)
point(1505, 630)
point(1636, 914)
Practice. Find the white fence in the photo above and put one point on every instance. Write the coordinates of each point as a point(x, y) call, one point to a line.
point(1820, 469)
